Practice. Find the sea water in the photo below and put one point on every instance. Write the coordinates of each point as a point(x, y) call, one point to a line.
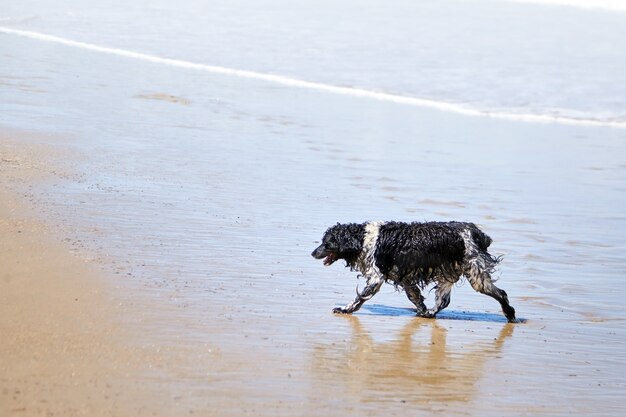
point(532, 60)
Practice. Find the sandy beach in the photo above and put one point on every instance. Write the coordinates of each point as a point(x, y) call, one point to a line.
point(63, 351)
point(158, 208)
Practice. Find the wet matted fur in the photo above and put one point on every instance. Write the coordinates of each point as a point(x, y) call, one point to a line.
point(412, 256)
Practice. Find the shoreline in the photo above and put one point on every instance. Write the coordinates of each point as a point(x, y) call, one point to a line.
point(63, 350)
point(287, 81)
point(225, 313)
point(157, 215)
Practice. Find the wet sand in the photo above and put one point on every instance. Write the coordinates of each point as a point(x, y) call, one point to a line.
point(158, 242)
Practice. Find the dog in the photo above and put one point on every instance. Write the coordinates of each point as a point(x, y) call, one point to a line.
point(411, 256)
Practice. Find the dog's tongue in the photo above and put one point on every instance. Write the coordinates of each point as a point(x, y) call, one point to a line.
point(329, 259)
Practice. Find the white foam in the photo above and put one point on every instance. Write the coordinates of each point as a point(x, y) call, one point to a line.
point(608, 5)
point(294, 82)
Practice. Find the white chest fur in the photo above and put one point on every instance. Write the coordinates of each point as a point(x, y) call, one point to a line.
point(366, 264)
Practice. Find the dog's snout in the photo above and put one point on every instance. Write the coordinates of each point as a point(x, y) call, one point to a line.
point(319, 252)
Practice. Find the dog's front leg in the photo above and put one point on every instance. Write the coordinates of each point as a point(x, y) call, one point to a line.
point(371, 288)
point(414, 294)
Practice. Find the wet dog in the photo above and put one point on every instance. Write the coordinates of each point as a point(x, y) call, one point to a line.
point(411, 256)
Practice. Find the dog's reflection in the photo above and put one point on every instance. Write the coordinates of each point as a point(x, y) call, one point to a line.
point(414, 367)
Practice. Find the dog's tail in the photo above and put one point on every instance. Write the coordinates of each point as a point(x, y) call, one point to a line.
point(481, 239)
point(476, 255)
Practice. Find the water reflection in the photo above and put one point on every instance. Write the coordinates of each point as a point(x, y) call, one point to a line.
point(416, 366)
point(384, 310)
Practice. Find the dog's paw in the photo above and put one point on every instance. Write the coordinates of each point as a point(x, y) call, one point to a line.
point(428, 314)
point(340, 310)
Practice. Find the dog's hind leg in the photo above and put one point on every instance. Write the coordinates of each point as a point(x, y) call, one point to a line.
point(414, 295)
point(371, 288)
point(483, 284)
point(442, 299)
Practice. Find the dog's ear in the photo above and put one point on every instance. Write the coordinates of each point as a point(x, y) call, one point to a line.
point(350, 238)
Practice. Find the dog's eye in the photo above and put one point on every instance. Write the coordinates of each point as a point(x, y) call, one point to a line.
point(333, 246)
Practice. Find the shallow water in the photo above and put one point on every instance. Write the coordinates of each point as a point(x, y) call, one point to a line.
point(206, 194)
point(476, 56)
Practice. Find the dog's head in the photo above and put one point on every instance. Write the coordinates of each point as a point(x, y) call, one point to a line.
point(342, 241)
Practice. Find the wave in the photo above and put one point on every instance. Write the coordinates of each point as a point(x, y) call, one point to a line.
point(329, 88)
point(608, 5)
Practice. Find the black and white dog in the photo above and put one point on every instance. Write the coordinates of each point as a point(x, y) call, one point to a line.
point(411, 256)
